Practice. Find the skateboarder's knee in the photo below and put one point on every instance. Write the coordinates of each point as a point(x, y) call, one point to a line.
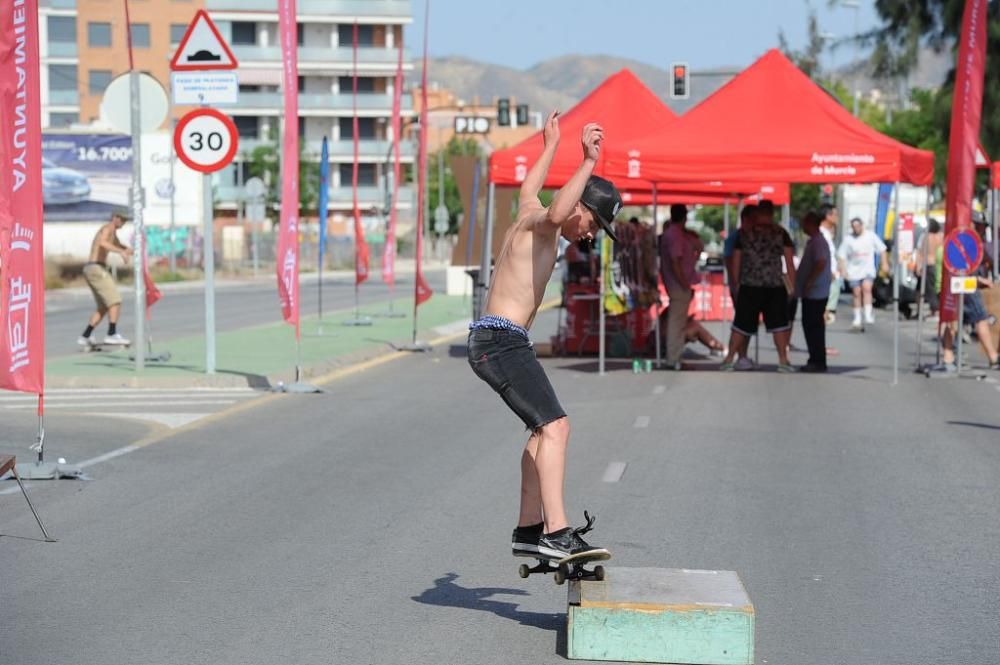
point(556, 430)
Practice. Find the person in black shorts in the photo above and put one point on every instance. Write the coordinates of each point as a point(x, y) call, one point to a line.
point(501, 354)
point(761, 286)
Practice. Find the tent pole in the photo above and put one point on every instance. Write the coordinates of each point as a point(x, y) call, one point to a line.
point(923, 282)
point(895, 285)
point(656, 245)
point(600, 308)
point(725, 272)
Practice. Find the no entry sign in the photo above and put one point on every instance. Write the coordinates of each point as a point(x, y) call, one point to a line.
point(963, 251)
point(206, 140)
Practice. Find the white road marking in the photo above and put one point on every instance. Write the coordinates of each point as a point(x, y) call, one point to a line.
point(453, 328)
point(614, 472)
point(56, 404)
point(112, 397)
point(659, 390)
point(641, 422)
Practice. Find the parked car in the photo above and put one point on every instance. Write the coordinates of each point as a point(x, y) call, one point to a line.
point(62, 186)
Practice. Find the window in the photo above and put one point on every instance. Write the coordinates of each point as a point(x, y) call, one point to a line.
point(99, 34)
point(366, 128)
point(62, 120)
point(366, 35)
point(302, 83)
point(244, 33)
point(62, 77)
point(140, 35)
point(367, 176)
point(98, 80)
point(177, 31)
point(247, 126)
point(366, 85)
point(300, 34)
point(62, 29)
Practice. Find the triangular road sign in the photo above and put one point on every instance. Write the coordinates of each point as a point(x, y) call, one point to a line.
point(202, 47)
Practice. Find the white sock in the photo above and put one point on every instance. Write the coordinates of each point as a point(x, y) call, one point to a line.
point(869, 311)
point(857, 315)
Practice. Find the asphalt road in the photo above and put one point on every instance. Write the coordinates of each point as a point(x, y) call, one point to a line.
point(181, 312)
point(370, 524)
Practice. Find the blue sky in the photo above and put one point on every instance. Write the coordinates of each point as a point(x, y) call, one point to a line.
point(705, 33)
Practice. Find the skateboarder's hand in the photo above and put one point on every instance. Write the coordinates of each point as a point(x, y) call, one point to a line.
point(550, 133)
point(593, 134)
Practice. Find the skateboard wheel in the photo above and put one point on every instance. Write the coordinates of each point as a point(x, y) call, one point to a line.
point(523, 570)
point(599, 573)
point(560, 576)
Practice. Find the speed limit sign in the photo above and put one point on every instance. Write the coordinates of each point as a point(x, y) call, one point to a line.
point(206, 140)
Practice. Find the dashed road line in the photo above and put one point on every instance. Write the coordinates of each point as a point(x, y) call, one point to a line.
point(659, 390)
point(614, 472)
point(641, 422)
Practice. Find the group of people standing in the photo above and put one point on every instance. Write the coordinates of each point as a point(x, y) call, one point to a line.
point(767, 282)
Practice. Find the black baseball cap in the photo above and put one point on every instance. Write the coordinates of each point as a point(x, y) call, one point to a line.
point(603, 199)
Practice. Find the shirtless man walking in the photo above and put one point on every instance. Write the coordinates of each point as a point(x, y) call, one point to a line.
point(501, 355)
point(99, 280)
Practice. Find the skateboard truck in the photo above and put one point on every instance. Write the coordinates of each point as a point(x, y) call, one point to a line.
point(562, 571)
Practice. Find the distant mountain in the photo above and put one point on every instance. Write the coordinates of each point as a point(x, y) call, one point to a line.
point(562, 82)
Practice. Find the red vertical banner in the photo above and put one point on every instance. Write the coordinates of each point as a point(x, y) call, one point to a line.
point(422, 291)
point(22, 272)
point(361, 251)
point(389, 255)
point(288, 232)
point(966, 110)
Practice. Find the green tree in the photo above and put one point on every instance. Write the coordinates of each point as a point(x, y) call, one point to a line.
point(264, 162)
point(908, 26)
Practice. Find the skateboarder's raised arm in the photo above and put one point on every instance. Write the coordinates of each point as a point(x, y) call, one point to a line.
point(566, 198)
point(535, 179)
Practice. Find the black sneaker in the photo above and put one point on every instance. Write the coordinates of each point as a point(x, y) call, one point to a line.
point(524, 542)
point(567, 542)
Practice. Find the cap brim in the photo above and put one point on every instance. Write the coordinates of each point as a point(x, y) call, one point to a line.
point(603, 223)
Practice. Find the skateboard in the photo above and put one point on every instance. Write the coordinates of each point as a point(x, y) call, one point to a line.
point(572, 567)
point(103, 346)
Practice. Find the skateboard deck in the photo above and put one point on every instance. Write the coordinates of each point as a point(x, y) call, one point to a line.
point(572, 567)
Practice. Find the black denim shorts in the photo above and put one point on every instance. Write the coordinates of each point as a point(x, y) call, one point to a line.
point(505, 360)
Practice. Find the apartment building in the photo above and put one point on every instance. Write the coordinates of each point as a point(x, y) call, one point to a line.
point(83, 46)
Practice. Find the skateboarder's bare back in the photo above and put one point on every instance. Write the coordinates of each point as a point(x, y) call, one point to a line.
point(501, 354)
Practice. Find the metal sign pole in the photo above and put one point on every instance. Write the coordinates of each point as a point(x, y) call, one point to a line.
point(656, 247)
point(923, 283)
point(958, 333)
point(139, 245)
point(208, 256)
point(173, 189)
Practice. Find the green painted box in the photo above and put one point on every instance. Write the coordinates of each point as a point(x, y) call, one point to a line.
point(661, 615)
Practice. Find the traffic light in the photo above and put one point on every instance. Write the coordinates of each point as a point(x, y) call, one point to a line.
point(679, 81)
point(503, 112)
point(522, 115)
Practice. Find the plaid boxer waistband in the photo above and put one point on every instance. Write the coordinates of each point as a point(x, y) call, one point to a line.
point(493, 322)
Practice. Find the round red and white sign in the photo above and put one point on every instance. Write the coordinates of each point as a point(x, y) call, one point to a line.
point(206, 140)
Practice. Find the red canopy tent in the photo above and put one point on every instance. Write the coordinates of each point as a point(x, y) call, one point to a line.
point(770, 122)
point(626, 109)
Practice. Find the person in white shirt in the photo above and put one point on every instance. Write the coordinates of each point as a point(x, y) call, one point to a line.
point(857, 256)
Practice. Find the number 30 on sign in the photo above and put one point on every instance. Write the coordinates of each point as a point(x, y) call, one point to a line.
point(206, 140)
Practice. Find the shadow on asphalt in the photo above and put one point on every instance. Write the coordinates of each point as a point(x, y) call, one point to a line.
point(964, 423)
point(445, 593)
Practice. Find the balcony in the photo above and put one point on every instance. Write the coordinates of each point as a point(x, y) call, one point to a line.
point(340, 197)
point(64, 98)
point(332, 58)
point(346, 8)
point(342, 150)
point(62, 50)
point(310, 101)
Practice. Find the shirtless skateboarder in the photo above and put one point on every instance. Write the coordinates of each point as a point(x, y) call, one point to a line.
point(106, 295)
point(501, 355)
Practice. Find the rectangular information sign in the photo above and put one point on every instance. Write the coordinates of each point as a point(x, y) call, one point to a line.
point(963, 284)
point(197, 88)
